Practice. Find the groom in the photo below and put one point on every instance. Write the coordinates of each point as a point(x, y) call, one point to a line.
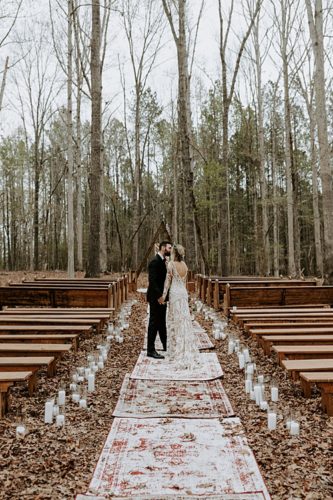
point(157, 270)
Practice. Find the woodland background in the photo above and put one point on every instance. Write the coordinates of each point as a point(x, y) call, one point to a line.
point(232, 150)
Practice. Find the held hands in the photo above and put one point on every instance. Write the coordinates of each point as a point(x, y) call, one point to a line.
point(161, 301)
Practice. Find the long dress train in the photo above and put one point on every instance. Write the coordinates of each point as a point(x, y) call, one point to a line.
point(182, 349)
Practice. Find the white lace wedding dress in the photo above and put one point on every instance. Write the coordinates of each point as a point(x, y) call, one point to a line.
point(182, 348)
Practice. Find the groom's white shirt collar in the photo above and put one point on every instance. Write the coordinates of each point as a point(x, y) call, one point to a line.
point(162, 256)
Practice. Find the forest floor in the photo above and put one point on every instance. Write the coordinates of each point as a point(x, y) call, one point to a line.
point(56, 464)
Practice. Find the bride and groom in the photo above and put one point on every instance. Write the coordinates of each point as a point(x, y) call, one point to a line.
point(167, 283)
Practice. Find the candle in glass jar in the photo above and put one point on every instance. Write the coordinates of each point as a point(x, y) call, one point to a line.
point(48, 415)
point(252, 396)
point(260, 379)
point(246, 355)
point(83, 403)
point(76, 397)
point(263, 405)
point(271, 420)
point(100, 365)
point(61, 397)
point(91, 382)
point(274, 394)
point(294, 428)
point(231, 346)
point(60, 420)
point(248, 385)
point(257, 393)
point(20, 431)
point(241, 361)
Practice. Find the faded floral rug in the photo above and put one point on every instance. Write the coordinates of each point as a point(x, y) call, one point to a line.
point(167, 398)
point(208, 368)
point(177, 458)
point(201, 337)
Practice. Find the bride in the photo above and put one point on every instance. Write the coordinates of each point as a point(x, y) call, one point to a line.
point(182, 348)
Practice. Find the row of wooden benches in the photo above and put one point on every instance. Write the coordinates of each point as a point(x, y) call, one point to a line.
point(34, 339)
point(225, 293)
point(302, 339)
point(79, 293)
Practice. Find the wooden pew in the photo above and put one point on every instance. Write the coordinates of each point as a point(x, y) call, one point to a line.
point(296, 366)
point(58, 296)
point(275, 296)
point(324, 382)
point(45, 329)
point(48, 320)
point(91, 311)
point(28, 363)
point(320, 330)
point(71, 338)
point(7, 380)
point(9, 350)
point(292, 316)
point(297, 325)
point(303, 352)
point(267, 341)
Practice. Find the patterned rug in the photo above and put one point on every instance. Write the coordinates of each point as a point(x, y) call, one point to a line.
point(153, 459)
point(146, 368)
point(165, 398)
point(241, 496)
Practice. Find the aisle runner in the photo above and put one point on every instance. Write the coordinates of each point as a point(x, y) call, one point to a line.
point(150, 398)
point(149, 458)
point(208, 368)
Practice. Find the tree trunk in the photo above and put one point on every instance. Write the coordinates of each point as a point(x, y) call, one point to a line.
point(79, 225)
point(93, 267)
point(70, 155)
point(316, 32)
point(3, 83)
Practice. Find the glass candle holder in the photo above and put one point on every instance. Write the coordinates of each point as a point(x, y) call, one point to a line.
point(21, 430)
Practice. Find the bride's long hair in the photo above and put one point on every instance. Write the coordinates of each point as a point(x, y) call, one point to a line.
point(177, 253)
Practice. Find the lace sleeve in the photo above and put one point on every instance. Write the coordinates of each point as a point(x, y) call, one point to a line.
point(168, 280)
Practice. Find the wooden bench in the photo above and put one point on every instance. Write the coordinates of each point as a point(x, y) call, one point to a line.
point(91, 311)
point(303, 351)
point(296, 325)
point(57, 297)
point(267, 341)
point(14, 349)
point(50, 320)
point(295, 367)
point(28, 363)
point(320, 330)
point(71, 338)
point(324, 382)
point(306, 316)
point(45, 329)
point(276, 296)
point(7, 380)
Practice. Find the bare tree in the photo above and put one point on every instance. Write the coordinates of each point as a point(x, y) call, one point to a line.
point(315, 19)
point(70, 151)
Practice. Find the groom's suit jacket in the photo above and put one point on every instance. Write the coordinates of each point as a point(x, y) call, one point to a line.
point(157, 271)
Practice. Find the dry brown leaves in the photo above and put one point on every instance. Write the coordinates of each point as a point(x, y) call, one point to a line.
point(293, 467)
point(53, 464)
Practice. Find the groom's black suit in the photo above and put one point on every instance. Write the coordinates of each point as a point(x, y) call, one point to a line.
point(157, 273)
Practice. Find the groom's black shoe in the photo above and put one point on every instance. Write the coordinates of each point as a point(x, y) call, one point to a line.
point(155, 355)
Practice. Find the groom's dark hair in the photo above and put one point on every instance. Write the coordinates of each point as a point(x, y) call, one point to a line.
point(164, 244)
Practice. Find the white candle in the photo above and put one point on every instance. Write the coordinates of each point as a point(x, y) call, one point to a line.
point(100, 365)
point(216, 335)
point(76, 397)
point(121, 340)
point(263, 405)
point(83, 403)
point(274, 394)
point(248, 386)
point(61, 397)
point(260, 379)
point(249, 369)
point(87, 372)
point(104, 355)
point(20, 431)
point(241, 361)
point(257, 394)
point(246, 355)
point(60, 420)
point(95, 368)
point(231, 346)
point(271, 421)
point(75, 377)
point(55, 410)
point(48, 416)
point(91, 382)
point(294, 428)
point(234, 308)
point(72, 387)
point(252, 395)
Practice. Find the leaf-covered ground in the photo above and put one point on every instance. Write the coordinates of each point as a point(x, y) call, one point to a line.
point(53, 464)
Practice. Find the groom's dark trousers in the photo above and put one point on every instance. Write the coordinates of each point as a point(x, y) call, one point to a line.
point(157, 314)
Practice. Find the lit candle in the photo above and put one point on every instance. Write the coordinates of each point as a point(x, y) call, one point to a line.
point(20, 431)
point(87, 372)
point(91, 382)
point(294, 428)
point(274, 394)
point(76, 397)
point(75, 377)
point(231, 346)
point(60, 420)
point(246, 355)
point(61, 397)
point(48, 415)
point(248, 385)
point(241, 360)
point(100, 365)
point(73, 386)
point(83, 403)
point(260, 379)
point(252, 395)
point(121, 340)
point(271, 420)
point(80, 378)
point(257, 393)
point(95, 368)
point(234, 308)
point(263, 405)
point(216, 335)
point(55, 410)
point(250, 369)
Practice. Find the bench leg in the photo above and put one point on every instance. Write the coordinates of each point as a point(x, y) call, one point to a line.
point(32, 383)
point(327, 398)
point(51, 369)
point(3, 404)
point(306, 388)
